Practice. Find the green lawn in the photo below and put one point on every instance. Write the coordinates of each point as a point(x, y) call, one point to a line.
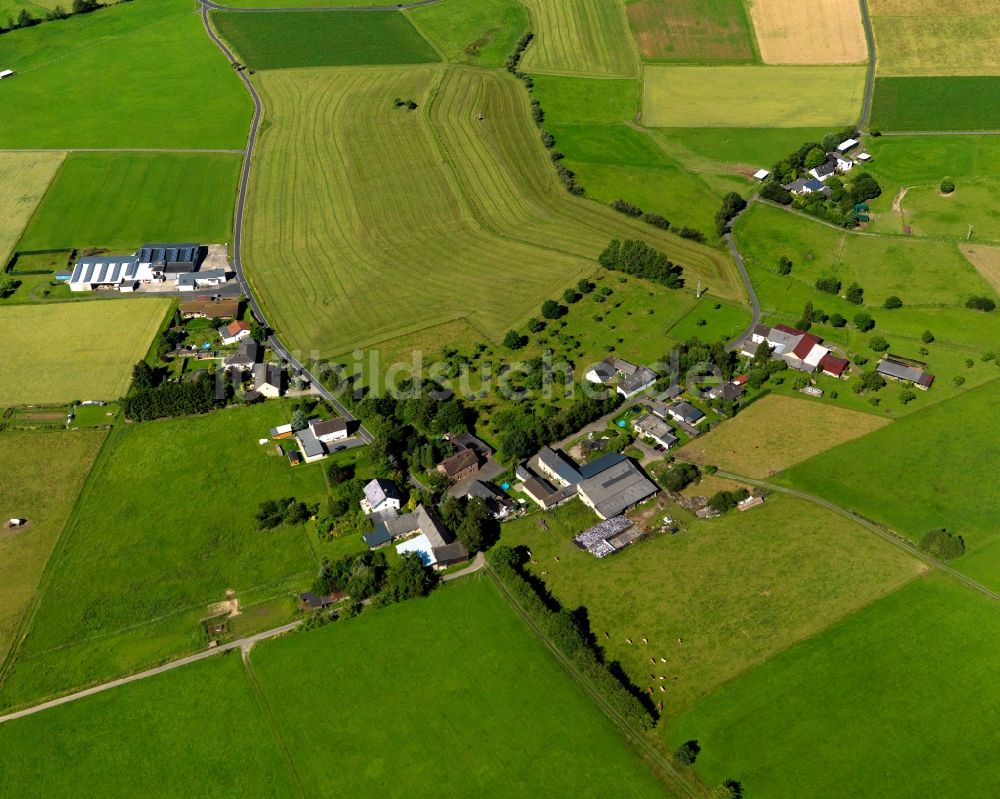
point(184, 493)
point(181, 93)
point(43, 474)
point(940, 103)
point(474, 31)
point(941, 451)
point(197, 731)
point(318, 38)
point(133, 198)
point(897, 701)
point(456, 678)
point(914, 160)
point(735, 590)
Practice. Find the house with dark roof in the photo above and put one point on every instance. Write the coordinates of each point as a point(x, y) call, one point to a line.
point(616, 489)
point(462, 464)
point(641, 379)
point(558, 467)
point(311, 447)
point(268, 379)
point(905, 370)
point(833, 366)
point(730, 391)
point(461, 441)
point(329, 430)
point(380, 496)
point(684, 411)
point(170, 259)
point(310, 601)
point(249, 353)
point(497, 501)
point(431, 540)
point(651, 426)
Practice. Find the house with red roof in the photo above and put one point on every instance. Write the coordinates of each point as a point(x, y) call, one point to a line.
point(800, 350)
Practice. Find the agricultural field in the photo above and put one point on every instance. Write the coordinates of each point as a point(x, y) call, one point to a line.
point(120, 99)
point(872, 690)
point(319, 38)
point(580, 37)
point(480, 32)
point(786, 32)
point(196, 731)
point(477, 640)
point(43, 474)
point(928, 38)
point(919, 159)
point(966, 212)
point(485, 209)
point(777, 432)
point(179, 538)
point(123, 194)
point(11, 8)
point(751, 96)
point(74, 351)
point(24, 179)
point(743, 149)
point(940, 103)
point(691, 31)
point(986, 260)
point(736, 590)
point(941, 451)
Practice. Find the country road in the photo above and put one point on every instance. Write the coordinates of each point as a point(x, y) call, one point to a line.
point(866, 105)
point(396, 7)
point(882, 532)
point(748, 284)
point(275, 343)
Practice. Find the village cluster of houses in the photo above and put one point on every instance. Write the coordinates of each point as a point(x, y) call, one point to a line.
point(166, 265)
point(836, 162)
point(800, 350)
point(318, 439)
point(632, 379)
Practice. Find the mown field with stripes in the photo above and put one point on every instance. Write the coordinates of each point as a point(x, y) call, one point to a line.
point(587, 37)
point(369, 222)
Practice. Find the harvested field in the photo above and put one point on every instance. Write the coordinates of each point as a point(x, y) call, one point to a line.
point(580, 37)
point(451, 216)
point(775, 433)
point(986, 260)
point(693, 31)
point(79, 350)
point(787, 31)
point(24, 178)
point(751, 96)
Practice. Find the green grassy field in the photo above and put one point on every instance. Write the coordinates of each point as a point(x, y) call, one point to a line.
point(487, 232)
point(82, 350)
point(941, 451)
point(746, 148)
point(426, 694)
point(917, 159)
point(473, 31)
point(940, 103)
point(181, 535)
point(927, 212)
point(117, 98)
point(317, 38)
point(861, 710)
point(24, 179)
point(775, 433)
point(691, 31)
point(197, 731)
point(580, 37)
point(736, 590)
point(751, 96)
point(43, 473)
point(11, 8)
point(132, 198)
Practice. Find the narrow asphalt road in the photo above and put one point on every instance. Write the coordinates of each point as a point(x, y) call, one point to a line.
point(477, 563)
point(866, 105)
point(882, 532)
point(242, 643)
point(748, 284)
point(241, 197)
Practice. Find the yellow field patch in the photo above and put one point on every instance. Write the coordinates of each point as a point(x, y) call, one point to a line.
point(775, 433)
point(788, 33)
point(76, 350)
point(752, 96)
point(986, 260)
point(24, 178)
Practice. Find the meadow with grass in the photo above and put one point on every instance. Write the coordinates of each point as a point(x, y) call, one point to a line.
point(181, 536)
point(317, 38)
point(936, 103)
point(940, 451)
point(186, 95)
point(691, 31)
point(777, 432)
point(751, 96)
point(895, 700)
point(24, 179)
point(43, 474)
point(488, 232)
point(735, 590)
point(75, 351)
point(124, 197)
point(480, 32)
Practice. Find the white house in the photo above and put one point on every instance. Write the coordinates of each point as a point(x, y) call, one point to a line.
point(380, 497)
point(210, 278)
point(332, 430)
point(234, 332)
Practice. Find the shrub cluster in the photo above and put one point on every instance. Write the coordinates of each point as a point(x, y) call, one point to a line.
point(564, 630)
point(680, 476)
point(514, 59)
point(981, 304)
point(637, 258)
point(725, 501)
point(732, 204)
point(942, 545)
point(173, 399)
point(26, 20)
point(275, 512)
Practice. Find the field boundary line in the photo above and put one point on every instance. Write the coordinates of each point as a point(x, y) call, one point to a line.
point(866, 103)
point(243, 9)
point(67, 150)
point(632, 736)
point(9, 256)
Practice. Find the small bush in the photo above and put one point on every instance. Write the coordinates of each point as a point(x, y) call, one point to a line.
point(927, 337)
point(942, 545)
point(892, 303)
point(828, 284)
point(623, 207)
point(947, 186)
point(981, 304)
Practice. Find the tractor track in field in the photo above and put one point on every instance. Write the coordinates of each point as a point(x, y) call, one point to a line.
point(363, 436)
point(397, 7)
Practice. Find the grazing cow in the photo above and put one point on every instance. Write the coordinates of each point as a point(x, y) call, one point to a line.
point(662, 689)
point(606, 634)
point(628, 640)
point(645, 640)
point(663, 660)
point(652, 660)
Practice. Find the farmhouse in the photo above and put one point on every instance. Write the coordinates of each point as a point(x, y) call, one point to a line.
point(905, 370)
point(496, 500)
point(234, 332)
point(557, 467)
point(808, 186)
point(433, 542)
point(614, 490)
point(800, 350)
point(462, 464)
point(268, 379)
point(650, 426)
point(329, 431)
point(381, 496)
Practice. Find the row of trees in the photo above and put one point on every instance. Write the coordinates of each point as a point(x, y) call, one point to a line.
point(634, 257)
point(573, 638)
point(25, 19)
point(173, 399)
point(732, 205)
point(367, 575)
point(650, 218)
point(525, 430)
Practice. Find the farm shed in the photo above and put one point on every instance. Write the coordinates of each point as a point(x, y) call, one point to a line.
point(7, 73)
